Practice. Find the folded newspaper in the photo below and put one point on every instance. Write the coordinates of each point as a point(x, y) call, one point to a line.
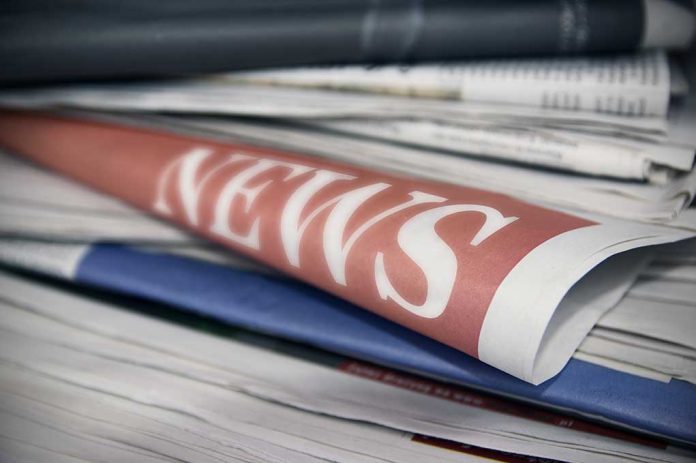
point(48, 224)
point(511, 283)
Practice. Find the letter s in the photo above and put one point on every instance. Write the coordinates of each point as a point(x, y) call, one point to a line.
point(419, 240)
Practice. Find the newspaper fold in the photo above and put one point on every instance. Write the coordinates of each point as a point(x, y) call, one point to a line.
point(493, 276)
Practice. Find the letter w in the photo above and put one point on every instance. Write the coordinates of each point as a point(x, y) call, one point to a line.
point(335, 250)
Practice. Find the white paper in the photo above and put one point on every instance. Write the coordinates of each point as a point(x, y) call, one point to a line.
point(55, 259)
point(564, 150)
point(634, 85)
point(163, 369)
point(206, 96)
point(677, 292)
point(667, 321)
point(670, 364)
point(669, 271)
point(617, 365)
point(40, 204)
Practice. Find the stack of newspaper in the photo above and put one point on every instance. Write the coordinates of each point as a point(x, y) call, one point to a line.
point(612, 135)
point(521, 228)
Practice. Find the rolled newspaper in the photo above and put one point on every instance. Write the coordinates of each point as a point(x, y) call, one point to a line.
point(493, 276)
